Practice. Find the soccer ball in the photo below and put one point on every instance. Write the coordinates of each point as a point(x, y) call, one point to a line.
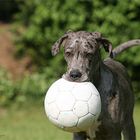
point(72, 106)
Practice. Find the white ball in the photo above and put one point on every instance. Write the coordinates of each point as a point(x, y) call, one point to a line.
point(72, 106)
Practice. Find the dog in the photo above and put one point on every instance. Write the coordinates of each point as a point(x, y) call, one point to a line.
point(84, 63)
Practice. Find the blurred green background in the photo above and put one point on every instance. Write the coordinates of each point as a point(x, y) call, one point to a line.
point(28, 29)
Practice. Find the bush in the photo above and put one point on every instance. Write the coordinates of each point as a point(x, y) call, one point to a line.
point(31, 88)
point(6, 87)
point(46, 20)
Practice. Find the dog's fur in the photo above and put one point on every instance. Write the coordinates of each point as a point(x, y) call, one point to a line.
point(82, 54)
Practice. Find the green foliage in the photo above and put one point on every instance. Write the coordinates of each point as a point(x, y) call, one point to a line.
point(35, 85)
point(44, 21)
point(6, 87)
point(31, 87)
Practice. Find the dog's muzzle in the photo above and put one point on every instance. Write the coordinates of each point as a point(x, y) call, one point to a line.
point(75, 74)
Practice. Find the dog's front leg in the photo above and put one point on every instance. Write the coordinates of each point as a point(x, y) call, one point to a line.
point(79, 136)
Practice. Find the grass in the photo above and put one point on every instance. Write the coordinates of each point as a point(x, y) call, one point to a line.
point(137, 120)
point(32, 124)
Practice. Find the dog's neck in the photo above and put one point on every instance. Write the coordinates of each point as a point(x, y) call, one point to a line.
point(95, 72)
point(95, 78)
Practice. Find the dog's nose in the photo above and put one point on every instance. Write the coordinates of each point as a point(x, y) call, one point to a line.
point(75, 74)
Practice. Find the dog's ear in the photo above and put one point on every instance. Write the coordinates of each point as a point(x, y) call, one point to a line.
point(104, 42)
point(57, 44)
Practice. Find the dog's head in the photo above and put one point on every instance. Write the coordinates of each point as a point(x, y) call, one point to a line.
point(81, 51)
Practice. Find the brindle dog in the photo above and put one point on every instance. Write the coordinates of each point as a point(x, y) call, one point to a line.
point(82, 54)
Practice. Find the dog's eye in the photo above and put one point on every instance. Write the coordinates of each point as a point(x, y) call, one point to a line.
point(88, 55)
point(68, 53)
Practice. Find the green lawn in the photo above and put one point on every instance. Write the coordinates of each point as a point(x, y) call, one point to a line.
point(32, 124)
point(137, 120)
